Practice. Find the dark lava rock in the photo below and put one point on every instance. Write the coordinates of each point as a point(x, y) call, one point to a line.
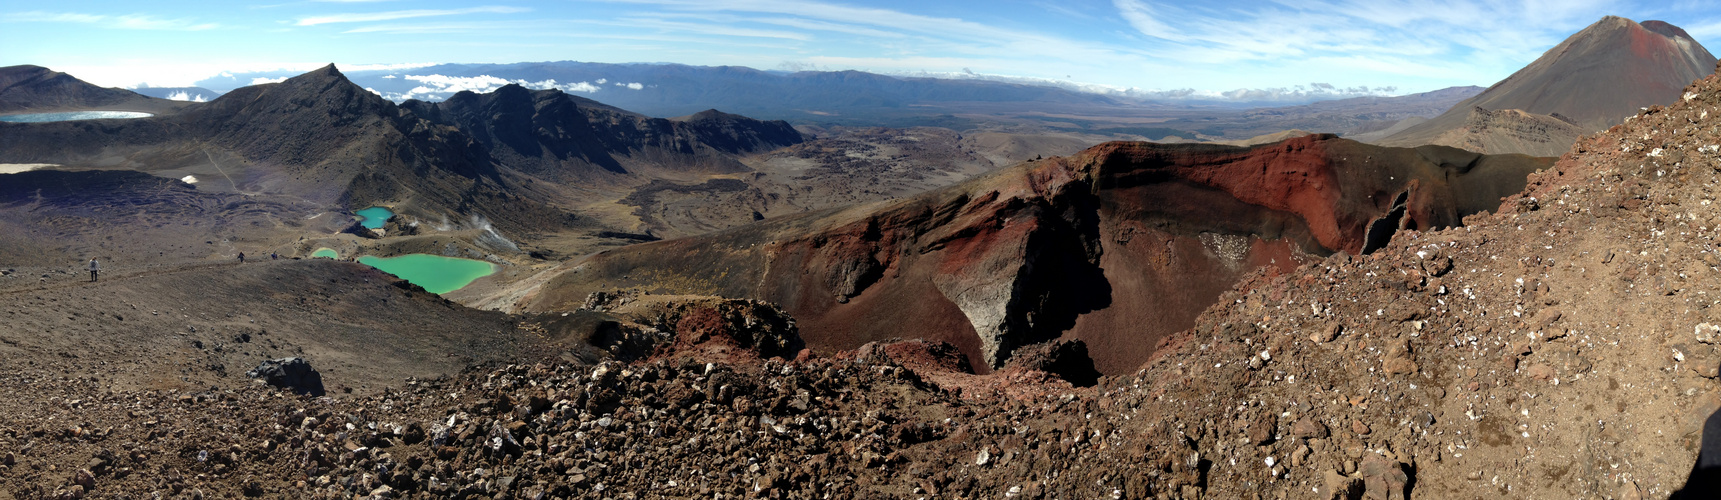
point(290, 373)
point(1067, 359)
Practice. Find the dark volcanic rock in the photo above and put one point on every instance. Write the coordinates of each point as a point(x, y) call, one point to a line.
point(566, 137)
point(1068, 359)
point(295, 374)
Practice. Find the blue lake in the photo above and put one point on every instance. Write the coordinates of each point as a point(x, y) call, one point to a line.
point(374, 217)
point(71, 115)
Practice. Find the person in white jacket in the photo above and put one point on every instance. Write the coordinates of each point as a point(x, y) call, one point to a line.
point(95, 268)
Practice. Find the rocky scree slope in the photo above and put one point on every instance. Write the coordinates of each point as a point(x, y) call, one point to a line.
point(131, 220)
point(1119, 245)
point(1513, 130)
point(1565, 347)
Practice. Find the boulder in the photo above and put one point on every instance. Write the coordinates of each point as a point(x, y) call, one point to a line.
point(1067, 359)
point(290, 373)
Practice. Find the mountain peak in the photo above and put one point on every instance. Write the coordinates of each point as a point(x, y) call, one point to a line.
point(1593, 79)
point(328, 71)
point(326, 74)
point(1666, 29)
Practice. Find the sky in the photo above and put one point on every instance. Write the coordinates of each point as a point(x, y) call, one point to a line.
point(1381, 46)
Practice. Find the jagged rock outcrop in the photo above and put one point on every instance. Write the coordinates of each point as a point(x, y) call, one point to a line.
point(1593, 79)
point(1117, 246)
point(570, 138)
point(1066, 359)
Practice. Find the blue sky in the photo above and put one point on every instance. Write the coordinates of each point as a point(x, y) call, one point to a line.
point(1403, 45)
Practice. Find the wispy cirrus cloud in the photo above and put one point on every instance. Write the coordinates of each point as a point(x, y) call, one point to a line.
point(405, 14)
point(128, 21)
point(908, 37)
point(1382, 30)
point(709, 29)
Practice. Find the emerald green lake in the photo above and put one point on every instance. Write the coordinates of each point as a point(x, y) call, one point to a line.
point(325, 253)
point(69, 116)
point(374, 217)
point(437, 274)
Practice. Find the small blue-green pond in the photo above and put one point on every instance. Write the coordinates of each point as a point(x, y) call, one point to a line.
point(374, 217)
point(69, 116)
point(325, 253)
point(437, 274)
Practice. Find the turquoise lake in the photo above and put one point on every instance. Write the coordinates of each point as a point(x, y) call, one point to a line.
point(374, 217)
point(69, 116)
point(437, 274)
point(325, 253)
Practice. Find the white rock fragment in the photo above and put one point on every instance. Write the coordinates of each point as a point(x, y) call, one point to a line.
point(1690, 95)
point(1708, 333)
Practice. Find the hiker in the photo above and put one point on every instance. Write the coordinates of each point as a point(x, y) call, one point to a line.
point(274, 256)
point(241, 257)
point(95, 267)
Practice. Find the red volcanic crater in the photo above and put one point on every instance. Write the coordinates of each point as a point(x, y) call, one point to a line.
point(1118, 246)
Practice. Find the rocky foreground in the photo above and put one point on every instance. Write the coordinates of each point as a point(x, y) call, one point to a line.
point(1564, 347)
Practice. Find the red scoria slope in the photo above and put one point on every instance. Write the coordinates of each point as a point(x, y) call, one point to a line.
point(1118, 246)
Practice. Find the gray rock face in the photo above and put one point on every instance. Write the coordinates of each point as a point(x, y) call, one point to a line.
point(290, 373)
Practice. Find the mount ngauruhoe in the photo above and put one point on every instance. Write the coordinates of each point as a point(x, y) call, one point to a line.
point(1591, 81)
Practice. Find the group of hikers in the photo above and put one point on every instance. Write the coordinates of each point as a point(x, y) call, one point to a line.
point(96, 266)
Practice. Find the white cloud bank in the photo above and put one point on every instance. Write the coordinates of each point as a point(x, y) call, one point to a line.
point(438, 87)
point(127, 21)
point(186, 96)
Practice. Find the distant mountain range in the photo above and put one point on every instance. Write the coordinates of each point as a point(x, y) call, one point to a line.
point(846, 97)
point(857, 98)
